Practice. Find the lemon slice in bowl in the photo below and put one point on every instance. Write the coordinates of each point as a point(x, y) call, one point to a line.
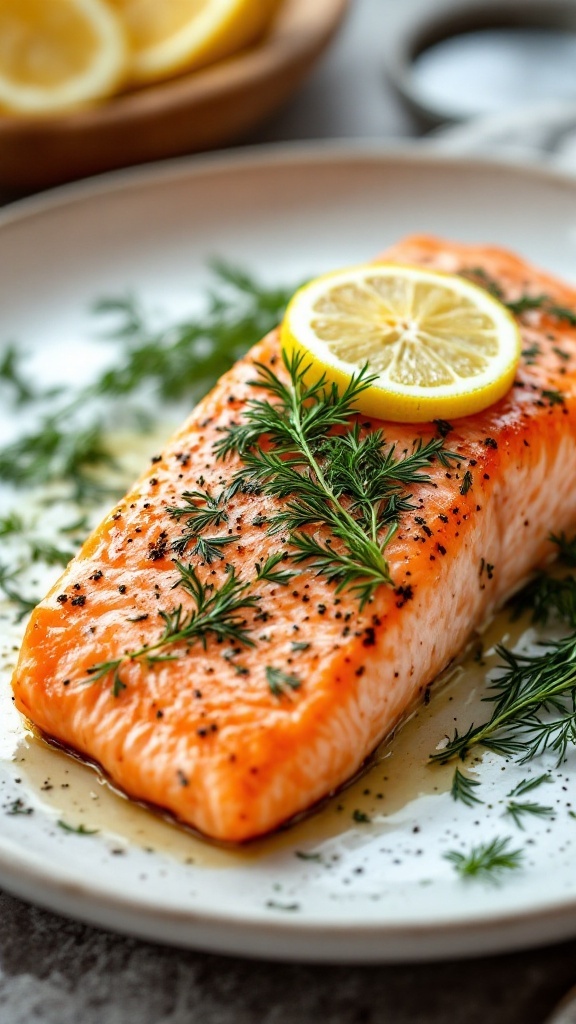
point(170, 36)
point(56, 55)
point(440, 347)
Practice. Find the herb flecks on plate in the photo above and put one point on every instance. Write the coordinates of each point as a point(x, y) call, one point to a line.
point(303, 445)
point(487, 861)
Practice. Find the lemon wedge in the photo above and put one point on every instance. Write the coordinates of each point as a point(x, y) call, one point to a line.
point(169, 36)
point(440, 347)
point(58, 54)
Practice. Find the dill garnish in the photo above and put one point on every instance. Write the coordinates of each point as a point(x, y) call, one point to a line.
point(185, 358)
point(15, 381)
point(527, 785)
point(553, 397)
point(528, 689)
point(59, 449)
point(9, 587)
point(463, 789)
point(305, 446)
point(549, 595)
point(467, 481)
point(566, 548)
point(218, 613)
point(546, 596)
point(197, 517)
point(209, 549)
point(269, 572)
point(181, 359)
point(487, 860)
point(525, 303)
point(280, 683)
point(534, 696)
point(517, 811)
point(80, 830)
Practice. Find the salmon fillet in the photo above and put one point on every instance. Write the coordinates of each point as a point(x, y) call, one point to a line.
point(203, 736)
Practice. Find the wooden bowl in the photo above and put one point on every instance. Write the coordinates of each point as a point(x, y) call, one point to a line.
point(188, 114)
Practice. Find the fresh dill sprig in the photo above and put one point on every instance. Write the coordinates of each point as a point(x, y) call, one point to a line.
point(185, 358)
point(530, 690)
point(182, 359)
point(548, 595)
point(12, 525)
point(463, 789)
point(545, 597)
point(305, 447)
point(527, 785)
point(79, 830)
point(566, 548)
point(209, 549)
point(487, 861)
point(199, 511)
point(517, 811)
point(467, 481)
point(58, 449)
point(525, 303)
point(11, 591)
point(281, 683)
point(268, 571)
point(218, 612)
point(16, 381)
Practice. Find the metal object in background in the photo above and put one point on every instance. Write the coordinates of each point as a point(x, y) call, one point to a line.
point(466, 58)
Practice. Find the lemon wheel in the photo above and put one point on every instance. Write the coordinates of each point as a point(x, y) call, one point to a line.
point(439, 346)
point(56, 55)
point(170, 36)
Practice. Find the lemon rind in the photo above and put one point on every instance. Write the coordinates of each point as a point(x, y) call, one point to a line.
point(100, 79)
point(404, 402)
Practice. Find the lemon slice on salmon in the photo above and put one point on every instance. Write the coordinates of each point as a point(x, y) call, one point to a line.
point(58, 54)
point(440, 347)
point(169, 36)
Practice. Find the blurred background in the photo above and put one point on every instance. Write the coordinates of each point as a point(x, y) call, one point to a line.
point(91, 85)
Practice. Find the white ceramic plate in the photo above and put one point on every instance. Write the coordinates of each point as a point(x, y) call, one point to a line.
point(367, 890)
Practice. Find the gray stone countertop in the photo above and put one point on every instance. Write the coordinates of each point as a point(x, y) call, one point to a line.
point(56, 971)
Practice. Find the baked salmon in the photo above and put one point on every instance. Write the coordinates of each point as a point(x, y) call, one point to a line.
point(235, 740)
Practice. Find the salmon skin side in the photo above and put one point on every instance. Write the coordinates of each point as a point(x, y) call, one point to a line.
point(203, 736)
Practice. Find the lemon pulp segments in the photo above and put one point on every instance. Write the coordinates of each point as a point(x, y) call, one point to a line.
point(441, 347)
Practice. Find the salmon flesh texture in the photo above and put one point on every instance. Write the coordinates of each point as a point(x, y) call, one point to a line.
point(203, 737)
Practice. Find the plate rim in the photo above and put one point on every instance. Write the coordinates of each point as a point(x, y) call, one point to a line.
point(270, 155)
point(218, 931)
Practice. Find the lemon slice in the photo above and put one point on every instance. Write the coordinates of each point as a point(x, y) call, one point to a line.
point(169, 36)
point(440, 346)
point(58, 54)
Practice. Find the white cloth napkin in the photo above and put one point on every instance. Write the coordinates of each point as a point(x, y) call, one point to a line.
point(545, 132)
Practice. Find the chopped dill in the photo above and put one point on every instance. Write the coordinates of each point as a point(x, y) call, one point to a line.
point(79, 830)
point(280, 683)
point(463, 789)
point(487, 861)
point(527, 785)
point(517, 811)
